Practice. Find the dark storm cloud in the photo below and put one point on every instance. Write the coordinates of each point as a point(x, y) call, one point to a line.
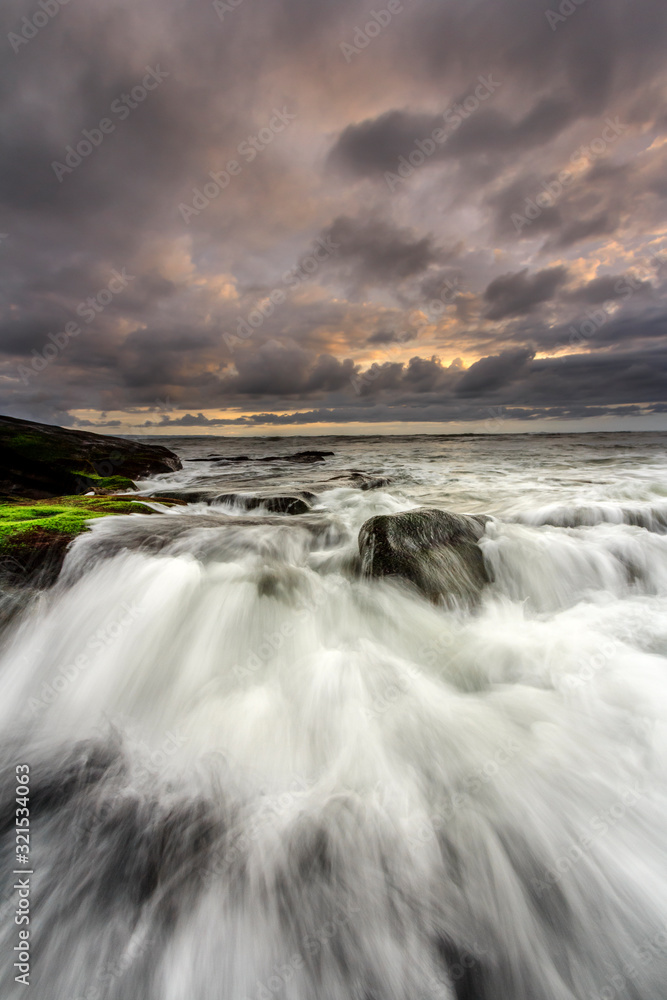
point(515, 378)
point(507, 387)
point(391, 337)
point(375, 146)
point(509, 291)
point(608, 288)
point(603, 223)
point(598, 330)
point(598, 49)
point(373, 251)
point(276, 370)
point(516, 294)
point(493, 373)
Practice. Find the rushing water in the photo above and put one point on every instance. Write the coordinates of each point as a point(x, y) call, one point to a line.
point(255, 774)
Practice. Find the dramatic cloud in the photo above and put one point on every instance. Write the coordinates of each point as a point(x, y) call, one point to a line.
point(517, 294)
point(223, 215)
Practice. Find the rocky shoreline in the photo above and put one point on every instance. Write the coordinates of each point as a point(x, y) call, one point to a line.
point(53, 481)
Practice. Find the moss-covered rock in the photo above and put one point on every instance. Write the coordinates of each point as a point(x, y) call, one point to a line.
point(34, 535)
point(39, 461)
point(107, 484)
point(434, 550)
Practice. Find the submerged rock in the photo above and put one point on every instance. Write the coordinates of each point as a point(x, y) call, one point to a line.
point(222, 458)
point(274, 505)
point(297, 503)
point(434, 550)
point(308, 457)
point(38, 461)
point(300, 457)
point(183, 496)
point(358, 480)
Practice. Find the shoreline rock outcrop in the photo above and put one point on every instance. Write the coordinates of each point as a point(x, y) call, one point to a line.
point(434, 550)
point(45, 471)
point(34, 535)
point(40, 461)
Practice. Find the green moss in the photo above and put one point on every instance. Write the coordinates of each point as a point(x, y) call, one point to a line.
point(107, 482)
point(67, 516)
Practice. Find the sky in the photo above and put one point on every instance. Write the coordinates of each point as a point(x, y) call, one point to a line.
point(333, 216)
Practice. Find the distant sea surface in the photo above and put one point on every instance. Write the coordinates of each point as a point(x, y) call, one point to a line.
point(496, 474)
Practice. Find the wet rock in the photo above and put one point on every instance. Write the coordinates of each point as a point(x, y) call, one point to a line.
point(34, 564)
point(308, 457)
point(357, 480)
point(38, 461)
point(434, 550)
point(368, 482)
point(299, 457)
point(222, 458)
point(183, 496)
point(213, 536)
point(21, 476)
point(299, 504)
point(34, 537)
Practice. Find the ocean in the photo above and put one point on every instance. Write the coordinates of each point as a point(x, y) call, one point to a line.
point(257, 773)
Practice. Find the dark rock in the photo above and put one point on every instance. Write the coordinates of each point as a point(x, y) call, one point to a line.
point(274, 505)
point(222, 458)
point(148, 497)
point(38, 461)
point(36, 565)
point(357, 480)
point(34, 537)
point(308, 457)
point(35, 480)
point(299, 457)
point(184, 496)
point(434, 550)
point(369, 482)
point(374, 484)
